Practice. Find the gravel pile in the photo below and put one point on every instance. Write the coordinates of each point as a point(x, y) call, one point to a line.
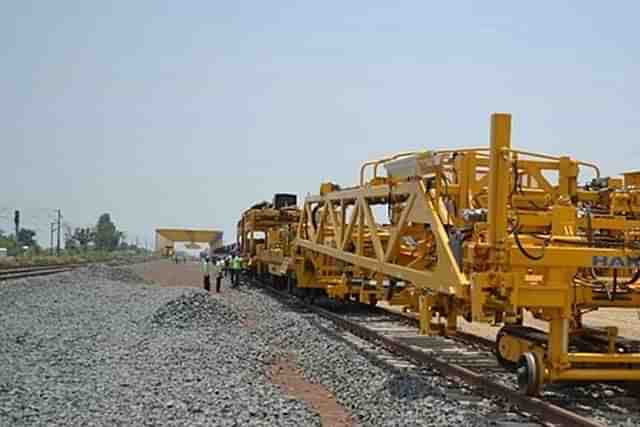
point(82, 349)
point(118, 274)
point(195, 309)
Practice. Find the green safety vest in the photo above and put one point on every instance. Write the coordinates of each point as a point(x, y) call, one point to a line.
point(236, 264)
point(204, 267)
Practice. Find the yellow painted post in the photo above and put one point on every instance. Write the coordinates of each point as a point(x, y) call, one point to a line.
point(360, 242)
point(425, 302)
point(612, 334)
point(452, 321)
point(465, 162)
point(559, 340)
point(568, 177)
point(499, 177)
point(343, 219)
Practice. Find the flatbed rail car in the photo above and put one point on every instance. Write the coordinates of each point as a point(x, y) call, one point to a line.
point(265, 235)
point(487, 233)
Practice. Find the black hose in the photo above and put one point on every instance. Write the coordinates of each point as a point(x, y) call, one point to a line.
point(392, 284)
point(516, 237)
point(616, 284)
point(516, 177)
point(599, 282)
point(446, 183)
point(313, 215)
point(446, 194)
point(589, 228)
point(633, 280)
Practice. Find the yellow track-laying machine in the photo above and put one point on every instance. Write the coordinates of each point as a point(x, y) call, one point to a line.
point(487, 234)
point(266, 232)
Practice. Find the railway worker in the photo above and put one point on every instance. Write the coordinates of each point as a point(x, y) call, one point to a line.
point(236, 268)
point(218, 273)
point(205, 268)
point(227, 261)
point(230, 270)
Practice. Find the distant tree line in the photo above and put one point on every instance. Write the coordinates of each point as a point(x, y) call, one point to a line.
point(103, 236)
point(26, 237)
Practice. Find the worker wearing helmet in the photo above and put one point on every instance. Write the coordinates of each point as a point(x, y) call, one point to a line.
point(205, 268)
point(236, 267)
point(218, 265)
point(227, 266)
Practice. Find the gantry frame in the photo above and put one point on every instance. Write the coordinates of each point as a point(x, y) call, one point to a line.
point(486, 233)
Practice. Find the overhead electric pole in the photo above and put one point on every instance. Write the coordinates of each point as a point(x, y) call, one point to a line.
point(58, 244)
point(16, 220)
point(53, 227)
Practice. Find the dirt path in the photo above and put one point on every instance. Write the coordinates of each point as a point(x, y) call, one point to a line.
point(285, 375)
point(168, 274)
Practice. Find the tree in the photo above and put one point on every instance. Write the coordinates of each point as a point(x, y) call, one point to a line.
point(69, 242)
point(123, 246)
point(26, 237)
point(8, 242)
point(84, 236)
point(107, 236)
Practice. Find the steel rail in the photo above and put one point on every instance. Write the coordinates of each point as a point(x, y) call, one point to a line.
point(43, 270)
point(22, 273)
point(7, 270)
point(545, 411)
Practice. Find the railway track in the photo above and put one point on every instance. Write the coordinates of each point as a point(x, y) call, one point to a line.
point(45, 270)
point(23, 272)
point(467, 357)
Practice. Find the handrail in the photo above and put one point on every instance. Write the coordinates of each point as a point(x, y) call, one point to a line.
point(376, 163)
point(384, 160)
point(394, 157)
point(556, 158)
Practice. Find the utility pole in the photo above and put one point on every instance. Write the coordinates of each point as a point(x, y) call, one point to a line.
point(59, 227)
point(52, 226)
point(16, 220)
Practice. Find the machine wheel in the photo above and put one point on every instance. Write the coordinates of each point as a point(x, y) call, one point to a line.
point(501, 350)
point(310, 296)
point(530, 374)
point(291, 284)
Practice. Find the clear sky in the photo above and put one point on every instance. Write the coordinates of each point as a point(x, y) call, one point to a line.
point(185, 113)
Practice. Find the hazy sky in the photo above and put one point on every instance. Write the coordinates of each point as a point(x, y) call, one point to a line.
point(185, 113)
